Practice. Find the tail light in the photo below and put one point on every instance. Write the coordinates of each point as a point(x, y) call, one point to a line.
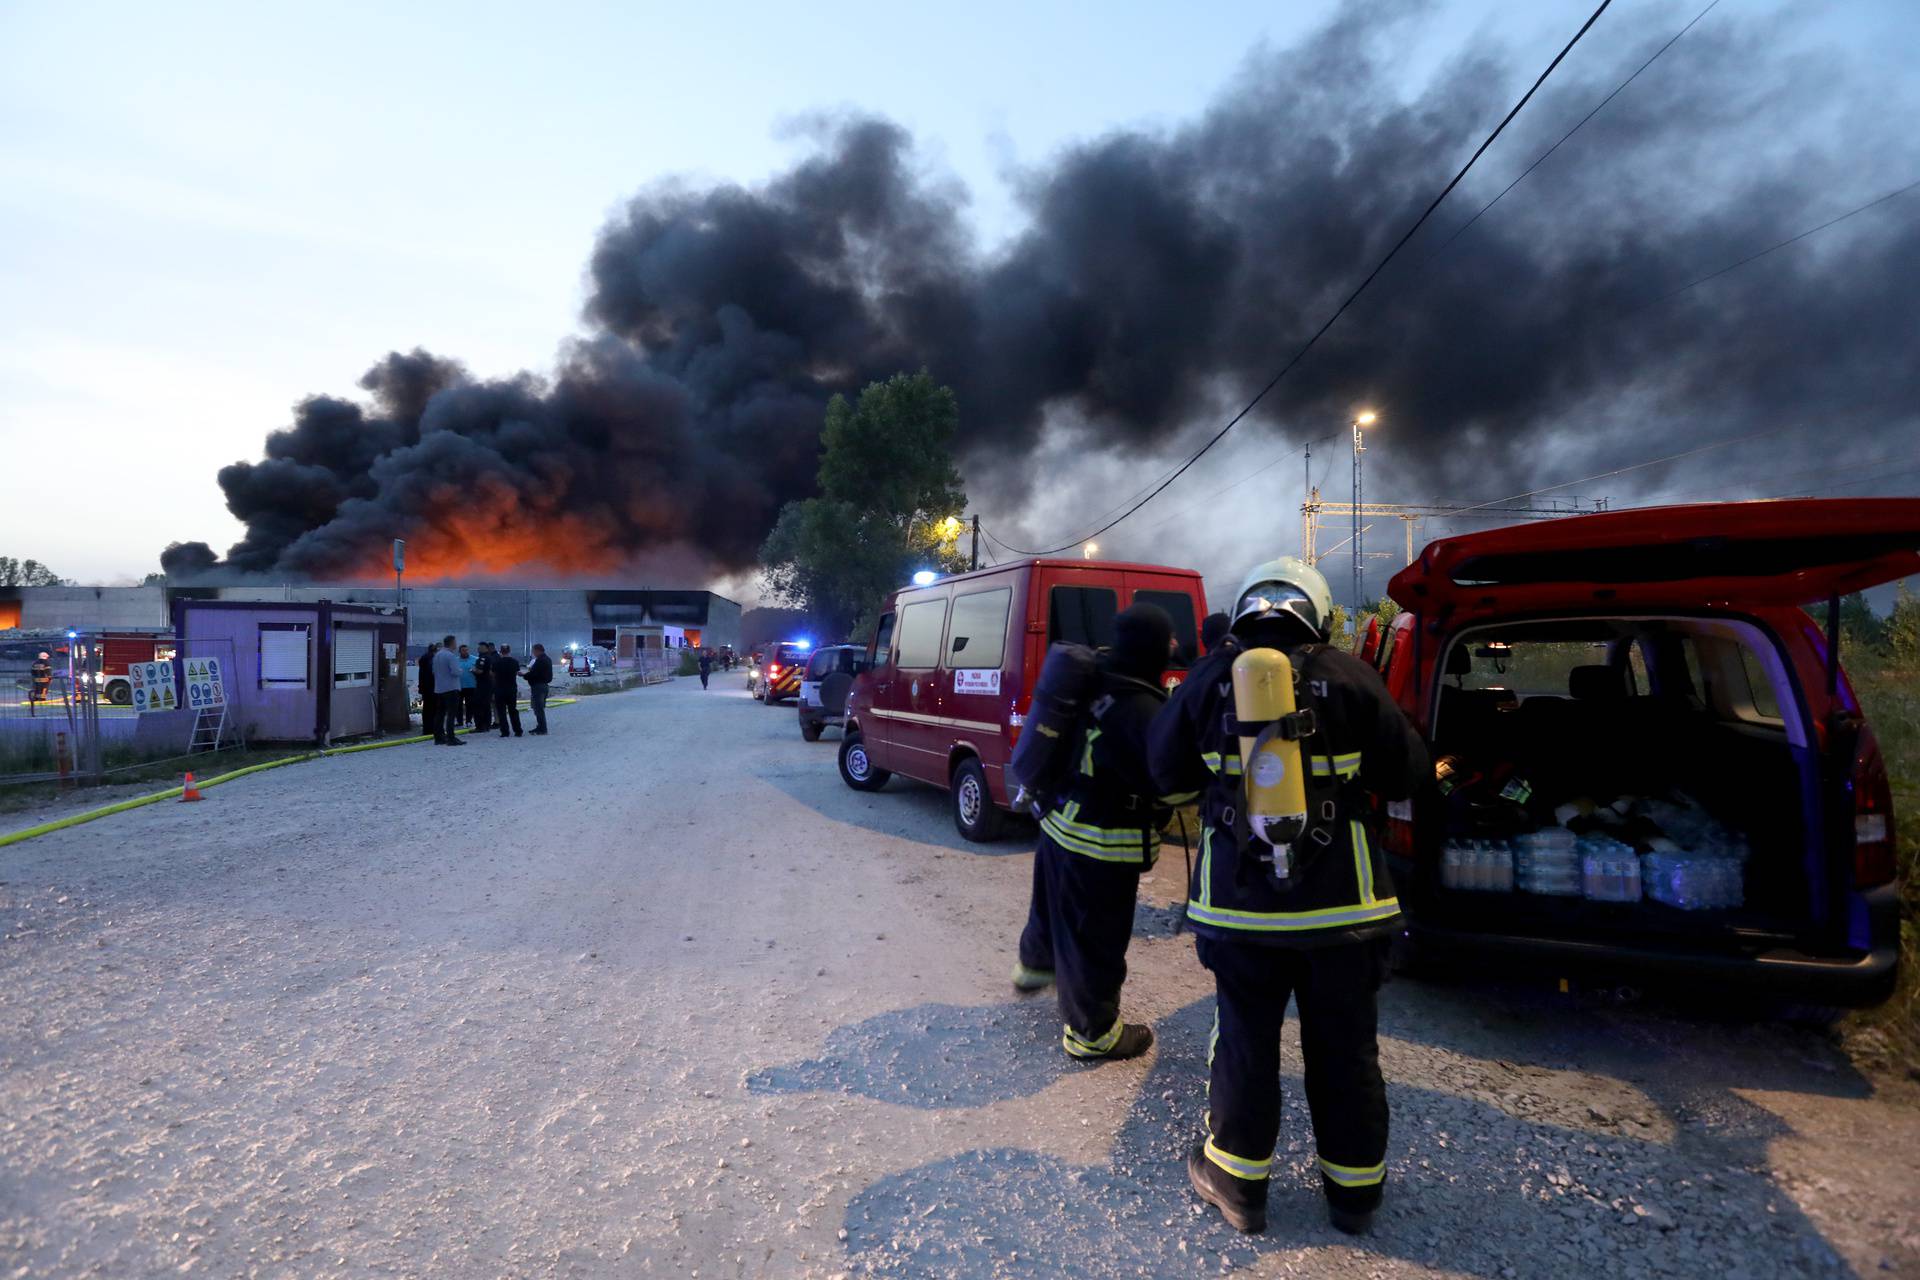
point(773, 668)
point(1873, 862)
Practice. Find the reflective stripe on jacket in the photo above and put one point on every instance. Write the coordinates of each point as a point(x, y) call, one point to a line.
point(1108, 810)
point(1340, 889)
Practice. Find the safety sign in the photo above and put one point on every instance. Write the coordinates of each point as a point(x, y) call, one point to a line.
point(974, 681)
point(205, 688)
point(153, 688)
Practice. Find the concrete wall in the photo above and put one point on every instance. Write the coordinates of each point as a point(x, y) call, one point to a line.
point(90, 608)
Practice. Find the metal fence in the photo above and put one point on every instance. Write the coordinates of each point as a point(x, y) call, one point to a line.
point(58, 721)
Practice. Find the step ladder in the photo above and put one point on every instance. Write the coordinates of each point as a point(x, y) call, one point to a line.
point(209, 729)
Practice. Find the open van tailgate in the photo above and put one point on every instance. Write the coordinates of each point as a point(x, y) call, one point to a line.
point(1718, 553)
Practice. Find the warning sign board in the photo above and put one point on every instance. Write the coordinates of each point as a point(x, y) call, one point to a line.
point(205, 687)
point(153, 687)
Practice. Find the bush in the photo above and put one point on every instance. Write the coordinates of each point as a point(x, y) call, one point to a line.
point(689, 663)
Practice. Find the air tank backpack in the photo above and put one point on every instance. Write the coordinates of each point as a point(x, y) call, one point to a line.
point(1043, 760)
point(1279, 802)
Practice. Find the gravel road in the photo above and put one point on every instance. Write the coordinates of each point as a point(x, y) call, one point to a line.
point(657, 995)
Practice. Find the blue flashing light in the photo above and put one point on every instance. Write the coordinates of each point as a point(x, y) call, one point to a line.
point(925, 578)
point(803, 644)
point(73, 635)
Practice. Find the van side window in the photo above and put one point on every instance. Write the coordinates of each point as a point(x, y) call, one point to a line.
point(977, 636)
point(1081, 615)
point(920, 627)
point(883, 641)
point(1179, 607)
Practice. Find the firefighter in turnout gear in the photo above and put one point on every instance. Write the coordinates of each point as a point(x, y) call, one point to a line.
point(1097, 835)
point(1315, 927)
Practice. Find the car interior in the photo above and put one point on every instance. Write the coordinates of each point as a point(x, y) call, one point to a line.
point(1626, 727)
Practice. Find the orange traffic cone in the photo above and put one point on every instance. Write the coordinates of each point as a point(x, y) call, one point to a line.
point(189, 791)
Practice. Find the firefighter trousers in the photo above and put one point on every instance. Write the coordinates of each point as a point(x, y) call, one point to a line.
point(1078, 925)
point(1336, 990)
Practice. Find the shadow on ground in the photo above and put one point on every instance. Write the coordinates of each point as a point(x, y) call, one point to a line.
point(934, 1056)
point(903, 808)
point(1477, 1185)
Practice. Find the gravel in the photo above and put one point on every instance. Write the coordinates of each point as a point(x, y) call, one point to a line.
point(489, 1012)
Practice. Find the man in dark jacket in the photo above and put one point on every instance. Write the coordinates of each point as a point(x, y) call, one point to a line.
point(1320, 932)
point(429, 705)
point(706, 666)
point(482, 693)
point(504, 668)
point(539, 676)
point(1100, 833)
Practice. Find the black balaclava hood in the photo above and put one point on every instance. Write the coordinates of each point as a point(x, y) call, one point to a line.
point(1142, 639)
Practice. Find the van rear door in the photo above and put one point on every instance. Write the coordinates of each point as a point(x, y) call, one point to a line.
point(1718, 554)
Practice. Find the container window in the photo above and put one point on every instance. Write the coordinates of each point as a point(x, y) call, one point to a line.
point(920, 627)
point(283, 655)
point(883, 641)
point(978, 636)
point(1179, 607)
point(1081, 615)
point(352, 658)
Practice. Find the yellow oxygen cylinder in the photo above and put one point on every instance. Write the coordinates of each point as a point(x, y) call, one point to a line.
point(1276, 784)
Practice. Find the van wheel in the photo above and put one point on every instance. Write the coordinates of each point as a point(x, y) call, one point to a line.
point(974, 811)
point(857, 769)
point(810, 730)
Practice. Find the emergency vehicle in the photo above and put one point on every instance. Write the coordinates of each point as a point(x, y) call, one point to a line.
point(775, 674)
point(950, 670)
point(119, 650)
point(1649, 760)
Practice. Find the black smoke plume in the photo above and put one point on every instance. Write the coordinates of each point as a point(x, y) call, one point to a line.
point(1159, 278)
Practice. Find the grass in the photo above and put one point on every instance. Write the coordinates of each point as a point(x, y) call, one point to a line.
point(1890, 695)
point(31, 795)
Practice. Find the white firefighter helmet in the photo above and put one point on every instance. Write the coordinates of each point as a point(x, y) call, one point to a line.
point(1287, 586)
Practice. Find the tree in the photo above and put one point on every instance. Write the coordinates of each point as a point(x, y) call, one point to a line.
point(27, 573)
point(1903, 628)
point(889, 504)
point(1859, 625)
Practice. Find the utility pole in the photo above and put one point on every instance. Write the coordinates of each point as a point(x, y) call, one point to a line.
point(1360, 422)
point(975, 558)
point(1306, 508)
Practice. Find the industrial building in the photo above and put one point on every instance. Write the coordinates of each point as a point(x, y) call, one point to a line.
point(618, 618)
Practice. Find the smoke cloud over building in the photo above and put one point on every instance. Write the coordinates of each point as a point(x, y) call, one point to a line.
point(1160, 277)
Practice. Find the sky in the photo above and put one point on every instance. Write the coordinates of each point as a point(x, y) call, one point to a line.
point(209, 212)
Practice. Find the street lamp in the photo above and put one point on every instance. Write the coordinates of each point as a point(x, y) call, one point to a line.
point(1361, 421)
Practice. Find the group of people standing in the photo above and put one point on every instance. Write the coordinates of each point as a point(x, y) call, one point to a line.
point(1312, 922)
point(477, 690)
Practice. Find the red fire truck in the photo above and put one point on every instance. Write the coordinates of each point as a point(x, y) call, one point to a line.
point(120, 650)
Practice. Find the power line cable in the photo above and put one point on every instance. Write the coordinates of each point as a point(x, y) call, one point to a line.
point(1636, 466)
point(1461, 230)
point(1794, 239)
point(1341, 310)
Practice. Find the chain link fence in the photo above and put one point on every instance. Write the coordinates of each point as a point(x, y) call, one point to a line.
point(61, 719)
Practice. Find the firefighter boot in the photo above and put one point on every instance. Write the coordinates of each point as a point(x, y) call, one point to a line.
point(1025, 979)
point(1354, 1222)
point(1128, 1040)
point(1241, 1201)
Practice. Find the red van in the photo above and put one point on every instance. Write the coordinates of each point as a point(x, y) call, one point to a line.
point(1649, 759)
point(951, 667)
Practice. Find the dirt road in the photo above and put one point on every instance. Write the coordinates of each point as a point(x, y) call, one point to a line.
point(657, 995)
